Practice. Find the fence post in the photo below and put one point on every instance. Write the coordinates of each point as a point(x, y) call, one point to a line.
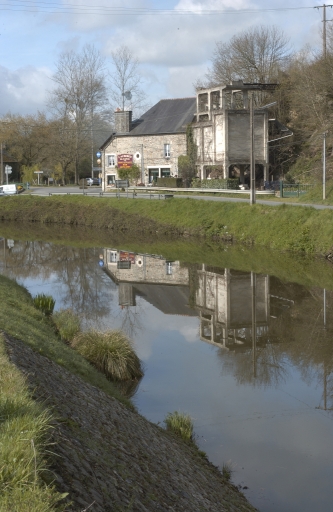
point(281, 188)
point(298, 190)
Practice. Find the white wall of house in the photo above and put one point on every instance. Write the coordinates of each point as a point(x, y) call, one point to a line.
point(157, 154)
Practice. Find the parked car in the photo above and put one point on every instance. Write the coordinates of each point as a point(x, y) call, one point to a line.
point(10, 189)
point(93, 181)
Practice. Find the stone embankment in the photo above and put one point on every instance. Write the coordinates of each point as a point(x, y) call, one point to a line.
point(109, 458)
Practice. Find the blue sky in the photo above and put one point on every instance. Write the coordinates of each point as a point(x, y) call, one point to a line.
point(174, 45)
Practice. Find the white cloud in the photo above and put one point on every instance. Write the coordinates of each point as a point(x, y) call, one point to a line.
point(24, 90)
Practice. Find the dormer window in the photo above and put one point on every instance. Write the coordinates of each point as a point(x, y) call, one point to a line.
point(167, 150)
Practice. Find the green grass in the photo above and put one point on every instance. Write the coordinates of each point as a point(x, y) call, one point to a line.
point(67, 323)
point(180, 424)
point(20, 319)
point(110, 352)
point(24, 427)
point(284, 228)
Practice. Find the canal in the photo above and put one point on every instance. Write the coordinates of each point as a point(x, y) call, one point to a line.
point(246, 352)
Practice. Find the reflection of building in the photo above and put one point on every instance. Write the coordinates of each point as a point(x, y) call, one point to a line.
point(165, 284)
point(225, 300)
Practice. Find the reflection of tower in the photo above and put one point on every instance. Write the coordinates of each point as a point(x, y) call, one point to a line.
point(126, 295)
point(231, 305)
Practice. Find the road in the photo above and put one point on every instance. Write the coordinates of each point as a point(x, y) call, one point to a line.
point(149, 194)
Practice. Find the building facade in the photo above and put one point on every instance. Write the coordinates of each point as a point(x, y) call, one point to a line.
point(154, 142)
point(222, 131)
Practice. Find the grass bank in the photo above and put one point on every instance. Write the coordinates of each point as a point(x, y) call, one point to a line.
point(285, 228)
point(304, 269)
point(20, 319)
point(24, 426)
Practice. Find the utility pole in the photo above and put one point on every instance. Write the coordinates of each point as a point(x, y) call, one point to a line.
point(323, 7)
point(142, 166)
point(254, 322)
point(1, 165)
point(252, 159)
point(324, 166)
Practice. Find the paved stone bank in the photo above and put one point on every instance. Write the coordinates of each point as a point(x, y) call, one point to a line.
point(111, 459)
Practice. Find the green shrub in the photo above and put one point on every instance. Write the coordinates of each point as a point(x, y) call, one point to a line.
point(67, 323)
point(169, 182)
point(228, 183)
point(180, 424)
point(110, 352)
point(44, 303)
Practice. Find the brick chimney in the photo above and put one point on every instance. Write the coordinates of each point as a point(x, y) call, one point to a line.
point(123, 120)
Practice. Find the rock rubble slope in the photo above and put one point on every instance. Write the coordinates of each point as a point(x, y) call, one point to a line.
point(110, 459)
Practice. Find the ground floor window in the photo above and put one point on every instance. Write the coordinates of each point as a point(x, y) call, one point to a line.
point(158, 172)
point(110, 180)
point(154, 174)
point(165, 172)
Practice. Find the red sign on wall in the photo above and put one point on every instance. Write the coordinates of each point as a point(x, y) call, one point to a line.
point(127, 256)
point(124, 161)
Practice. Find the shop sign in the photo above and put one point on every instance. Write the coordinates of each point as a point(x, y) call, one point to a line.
point(127, 256)
point(124, 161)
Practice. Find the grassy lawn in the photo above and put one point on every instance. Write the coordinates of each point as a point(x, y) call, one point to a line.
point(286, 228)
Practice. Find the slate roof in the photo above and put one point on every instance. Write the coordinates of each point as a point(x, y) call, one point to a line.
point(167, 116)
point(171, 300)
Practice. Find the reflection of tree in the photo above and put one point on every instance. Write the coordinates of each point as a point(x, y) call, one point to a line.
point(266, 368)
point(132, 319)
point(295, 337)
point(76, 269)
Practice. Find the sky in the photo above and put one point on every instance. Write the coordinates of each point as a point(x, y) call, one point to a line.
point(172, 40)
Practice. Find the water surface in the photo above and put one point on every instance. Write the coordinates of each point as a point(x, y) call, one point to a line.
point(248, 355)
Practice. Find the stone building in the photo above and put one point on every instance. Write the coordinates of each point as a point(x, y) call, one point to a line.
point(154, 142)
point(222, 131)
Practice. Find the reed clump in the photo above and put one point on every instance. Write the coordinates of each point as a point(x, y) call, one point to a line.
point(111, 352)
point(67, 323)
point(45, 303)
point(180, 424)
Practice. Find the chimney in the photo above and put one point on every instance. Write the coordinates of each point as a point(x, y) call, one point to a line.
point(123, 120)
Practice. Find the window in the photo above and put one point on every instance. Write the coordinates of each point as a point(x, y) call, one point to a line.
point(165, 172)
point(167, 150)
point(111, 180)
point(111, 161)
point(113, 256)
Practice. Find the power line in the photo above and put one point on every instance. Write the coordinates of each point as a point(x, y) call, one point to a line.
point(59, 8)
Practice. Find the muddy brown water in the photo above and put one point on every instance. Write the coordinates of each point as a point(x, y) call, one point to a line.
point(248, 355)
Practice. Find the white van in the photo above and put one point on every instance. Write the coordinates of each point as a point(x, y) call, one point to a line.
point(8, 189)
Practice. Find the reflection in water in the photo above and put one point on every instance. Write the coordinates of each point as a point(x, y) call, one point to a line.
point(259, 344)
point(259, 322)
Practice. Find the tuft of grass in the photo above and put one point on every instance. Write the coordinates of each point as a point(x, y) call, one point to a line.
point(110, 352)
point(44, 303)
point(180, 424)
point(226, 471)
point(67, 323)
point(24, 427)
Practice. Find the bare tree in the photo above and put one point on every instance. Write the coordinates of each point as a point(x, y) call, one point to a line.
point(255, 55)
point(80, 93)
point(126, 91)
